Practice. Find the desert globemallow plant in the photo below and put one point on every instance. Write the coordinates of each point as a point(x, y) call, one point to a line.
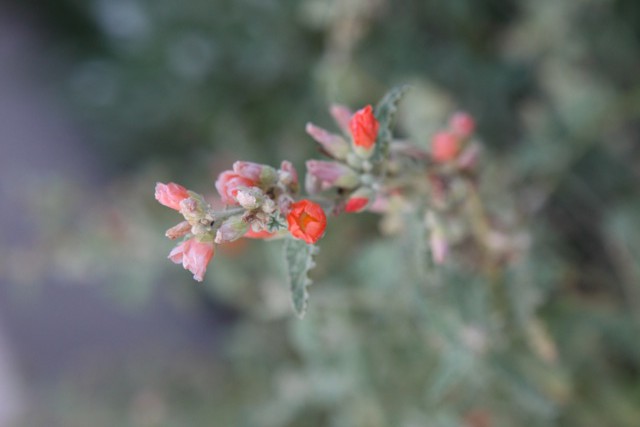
point(366, 169)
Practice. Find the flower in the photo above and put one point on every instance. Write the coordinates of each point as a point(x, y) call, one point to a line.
point(462, 124)
point(445, 147)
point(228, 183)
point(364, 131)
point(307, 221)
point(194, 256)
point(332, 174)
point(171, 194)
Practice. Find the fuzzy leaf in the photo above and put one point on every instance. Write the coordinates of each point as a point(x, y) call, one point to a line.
point(385, 112)
point(299, 257)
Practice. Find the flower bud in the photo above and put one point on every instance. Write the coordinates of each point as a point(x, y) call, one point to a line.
point(307, 221)
point(250, 197)
point(194, 255)
point(179, 230)
point(342, 116)
point(334, 145)
point(462, 124)
point(288, 176)
point(193, 208)
point(262, 175)
point(228, 183)
point(359, 200)
point(445, 147)
point(231, 229)
point(171, 194)
point(364, 131)
point(333, 174)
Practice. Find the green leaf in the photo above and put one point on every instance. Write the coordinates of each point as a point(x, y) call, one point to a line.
point(299, 257)
point(385, 112)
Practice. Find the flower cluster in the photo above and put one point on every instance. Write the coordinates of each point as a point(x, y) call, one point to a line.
point(364, 172)
point(350, 170)
point(258, 199)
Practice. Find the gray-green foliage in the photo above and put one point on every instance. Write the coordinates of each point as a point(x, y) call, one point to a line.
point(299, 258)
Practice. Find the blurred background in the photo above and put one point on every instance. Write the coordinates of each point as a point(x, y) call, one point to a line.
point(99, 99)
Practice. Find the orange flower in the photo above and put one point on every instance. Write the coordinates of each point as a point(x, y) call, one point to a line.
point(364, 130)
point(307, 221)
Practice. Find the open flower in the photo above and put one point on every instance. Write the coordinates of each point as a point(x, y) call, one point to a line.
point(364, 131)
point(307, 221)
point(194, 256)
point(171, 194)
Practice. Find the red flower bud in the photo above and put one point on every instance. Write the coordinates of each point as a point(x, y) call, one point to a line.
point(307, 221)
point(171, 194)
point(359, 200)
point(364, 131)
point(194, 256)
point(445, 147)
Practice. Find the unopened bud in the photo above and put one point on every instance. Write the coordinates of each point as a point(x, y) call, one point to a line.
point(250, 197)
point(333, 144)
point(288, 176)
point(333, 174)
point(179, 230)
point(231, 229)
point(462, 124)
point(264, 176)
point(359, 200)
